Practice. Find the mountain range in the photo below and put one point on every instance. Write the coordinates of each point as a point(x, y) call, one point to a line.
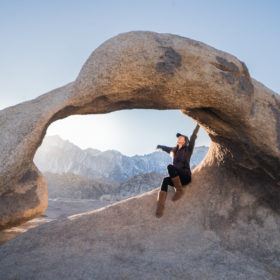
point(73, 172)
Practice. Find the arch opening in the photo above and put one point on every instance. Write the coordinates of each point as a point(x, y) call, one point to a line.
point(79, 175)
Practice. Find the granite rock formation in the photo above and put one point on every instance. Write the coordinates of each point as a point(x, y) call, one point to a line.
point(225, 227)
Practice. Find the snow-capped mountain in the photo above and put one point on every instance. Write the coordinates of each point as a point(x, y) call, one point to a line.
point(60, 156)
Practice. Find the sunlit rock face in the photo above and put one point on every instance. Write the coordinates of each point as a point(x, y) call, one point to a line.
point(230, 212)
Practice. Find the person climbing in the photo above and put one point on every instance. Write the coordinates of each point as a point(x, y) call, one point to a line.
point(179, 172)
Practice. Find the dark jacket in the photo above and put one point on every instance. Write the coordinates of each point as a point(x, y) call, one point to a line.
point(183, 155)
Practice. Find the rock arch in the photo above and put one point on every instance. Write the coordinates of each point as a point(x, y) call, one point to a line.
point(231, 206)
point(150, 70)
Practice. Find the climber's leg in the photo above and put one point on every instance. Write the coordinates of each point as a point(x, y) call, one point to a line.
point(172, 170)
point(165, 182)
point(185, 178)
point(176, 181)
point(162, 194)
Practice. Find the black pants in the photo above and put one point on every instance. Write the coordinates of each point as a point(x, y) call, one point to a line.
point(173, 171)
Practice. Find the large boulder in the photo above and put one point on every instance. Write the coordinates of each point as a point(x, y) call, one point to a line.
point(225, 227)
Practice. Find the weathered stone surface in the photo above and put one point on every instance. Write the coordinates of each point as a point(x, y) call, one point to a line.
point(225, 227)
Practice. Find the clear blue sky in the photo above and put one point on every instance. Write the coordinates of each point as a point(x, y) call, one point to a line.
point(45, 43)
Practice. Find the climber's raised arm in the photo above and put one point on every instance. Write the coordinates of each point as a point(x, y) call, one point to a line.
point(164, 148)
point(193, 138)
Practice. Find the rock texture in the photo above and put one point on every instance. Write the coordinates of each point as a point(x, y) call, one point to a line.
point(225, 227)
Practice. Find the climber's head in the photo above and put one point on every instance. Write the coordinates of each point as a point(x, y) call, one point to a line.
point(182, 139)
